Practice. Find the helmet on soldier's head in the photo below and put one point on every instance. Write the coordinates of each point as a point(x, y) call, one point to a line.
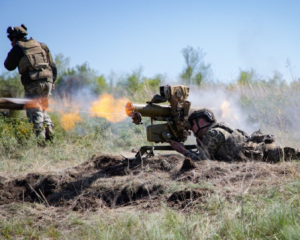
point(16, 32)
point(202, 113)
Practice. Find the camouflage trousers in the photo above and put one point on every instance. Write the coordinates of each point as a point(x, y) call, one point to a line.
point(269, 152)
point(40, 91)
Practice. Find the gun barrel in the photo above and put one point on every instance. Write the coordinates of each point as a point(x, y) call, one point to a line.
point(14, 103)
point(148, 110)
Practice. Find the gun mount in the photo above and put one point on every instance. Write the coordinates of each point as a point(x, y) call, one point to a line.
point(174, 117)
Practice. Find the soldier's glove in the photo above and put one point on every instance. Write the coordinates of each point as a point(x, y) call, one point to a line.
point(137, 118)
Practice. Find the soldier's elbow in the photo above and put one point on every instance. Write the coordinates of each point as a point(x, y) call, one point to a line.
point(9, 67)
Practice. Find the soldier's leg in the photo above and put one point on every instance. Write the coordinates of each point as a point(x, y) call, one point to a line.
point(35, 116)
point(46, 93)
point(35, 112)
point(49, 127)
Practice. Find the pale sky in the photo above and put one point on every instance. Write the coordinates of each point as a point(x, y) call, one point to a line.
point(122, 35)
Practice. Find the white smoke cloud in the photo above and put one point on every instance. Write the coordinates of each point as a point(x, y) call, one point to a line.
point(225, 107)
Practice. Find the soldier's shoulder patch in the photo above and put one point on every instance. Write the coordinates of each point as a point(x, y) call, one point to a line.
point(214, 133)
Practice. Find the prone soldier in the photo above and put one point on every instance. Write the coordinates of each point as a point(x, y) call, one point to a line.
point(218, 141)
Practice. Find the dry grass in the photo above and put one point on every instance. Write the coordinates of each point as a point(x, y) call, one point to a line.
point(93, 200)
point(213, 200)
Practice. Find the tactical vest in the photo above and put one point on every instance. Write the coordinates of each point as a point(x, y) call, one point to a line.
point(235, 139)
point(35, 60)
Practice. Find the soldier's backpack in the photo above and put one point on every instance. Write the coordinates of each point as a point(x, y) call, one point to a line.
point(262, 147)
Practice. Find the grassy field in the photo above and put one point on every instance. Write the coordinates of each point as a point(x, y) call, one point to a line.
point(268, 210)
point(270, 213)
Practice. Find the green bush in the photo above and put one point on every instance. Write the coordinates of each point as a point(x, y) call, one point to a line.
point(14, 133)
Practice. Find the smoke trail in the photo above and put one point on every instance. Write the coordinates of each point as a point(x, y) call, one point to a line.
point(225, 107)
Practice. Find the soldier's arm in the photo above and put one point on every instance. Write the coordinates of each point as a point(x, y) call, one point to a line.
point(13, 58)
point(51, 61)
point(209, 145)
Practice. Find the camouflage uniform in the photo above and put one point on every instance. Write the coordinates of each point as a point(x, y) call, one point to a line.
point(220, 142)
point(262, 147)
point(38, 73)
point(41, 90)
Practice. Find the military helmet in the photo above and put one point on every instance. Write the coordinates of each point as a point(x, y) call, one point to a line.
point(203, 113)
point(16, 32)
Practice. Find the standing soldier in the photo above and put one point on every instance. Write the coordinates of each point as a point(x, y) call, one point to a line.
point(38, 73)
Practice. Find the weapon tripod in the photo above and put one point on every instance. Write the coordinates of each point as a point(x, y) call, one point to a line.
point(149, 151)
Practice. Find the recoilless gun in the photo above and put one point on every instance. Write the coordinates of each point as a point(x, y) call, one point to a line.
point(174, 116)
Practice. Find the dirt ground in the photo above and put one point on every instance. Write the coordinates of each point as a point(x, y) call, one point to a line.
point(108, 182)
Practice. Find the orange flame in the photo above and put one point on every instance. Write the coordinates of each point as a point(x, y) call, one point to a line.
point(40, 103)
point(108, 107)
point(51, 104)
point(69, 120)
point(227, 111)
point(129, 109)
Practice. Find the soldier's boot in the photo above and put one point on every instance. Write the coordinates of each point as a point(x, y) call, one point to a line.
point(188, 164)
point(291, 153)
point(40, 135)
point(49, 135)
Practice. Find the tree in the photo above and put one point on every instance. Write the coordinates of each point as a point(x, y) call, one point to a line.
point(72, 82)
point(100, 85)
point(131, 82)
point(196, 70)
point(247, 77)
point(11, 85)
point(62, 64)
point(153, 83)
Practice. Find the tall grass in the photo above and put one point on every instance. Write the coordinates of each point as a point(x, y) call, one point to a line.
point(273, 106)
point(22, 151)
point(271, 214)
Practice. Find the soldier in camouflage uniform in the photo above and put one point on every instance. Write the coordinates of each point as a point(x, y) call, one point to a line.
point(218, 141)
point(38, 73)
